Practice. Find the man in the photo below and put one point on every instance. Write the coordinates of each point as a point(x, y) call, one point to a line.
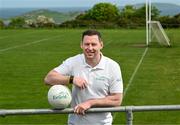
point(96, 79)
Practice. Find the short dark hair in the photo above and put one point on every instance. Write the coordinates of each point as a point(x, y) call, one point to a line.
point(91, 33)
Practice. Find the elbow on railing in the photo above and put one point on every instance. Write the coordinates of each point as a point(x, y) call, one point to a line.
point(47, 81)
point(119, 101)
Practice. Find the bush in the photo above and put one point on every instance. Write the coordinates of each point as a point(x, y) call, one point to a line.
point(1, 24)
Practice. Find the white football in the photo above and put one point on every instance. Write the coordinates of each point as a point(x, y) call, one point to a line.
point(59, 96)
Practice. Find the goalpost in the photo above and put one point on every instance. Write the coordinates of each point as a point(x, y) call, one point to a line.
point(154, 28)
point(159, 33)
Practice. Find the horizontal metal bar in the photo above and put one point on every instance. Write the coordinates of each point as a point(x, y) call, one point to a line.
point(6, 112)
point(155, 108)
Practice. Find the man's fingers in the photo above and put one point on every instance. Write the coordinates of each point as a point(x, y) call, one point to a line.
point(79, 110)
point(76, 110)
point(81, 82)
point(85, 84)
point(83, 112)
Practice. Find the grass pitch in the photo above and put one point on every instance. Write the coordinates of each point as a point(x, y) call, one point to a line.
point(27, 55)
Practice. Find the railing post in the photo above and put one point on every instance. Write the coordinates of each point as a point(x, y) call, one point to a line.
point(129, 116)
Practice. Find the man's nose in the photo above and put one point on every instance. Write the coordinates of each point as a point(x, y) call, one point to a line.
point(90, 47)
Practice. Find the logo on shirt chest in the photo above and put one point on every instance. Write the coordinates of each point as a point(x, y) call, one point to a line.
point(101, 78)
point(101, 84)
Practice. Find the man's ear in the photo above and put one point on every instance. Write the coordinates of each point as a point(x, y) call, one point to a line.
point(102, 45)
point(81, 45)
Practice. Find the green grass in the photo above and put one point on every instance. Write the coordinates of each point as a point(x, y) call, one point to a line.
point(24, 61)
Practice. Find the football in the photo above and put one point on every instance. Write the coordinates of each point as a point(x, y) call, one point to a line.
point(59, 96)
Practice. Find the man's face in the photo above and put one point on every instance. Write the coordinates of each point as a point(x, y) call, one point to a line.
point(91, 46)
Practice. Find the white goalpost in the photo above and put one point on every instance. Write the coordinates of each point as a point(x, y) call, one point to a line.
point(154, 28)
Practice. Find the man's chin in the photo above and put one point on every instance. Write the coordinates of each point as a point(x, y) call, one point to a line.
point(89, 56)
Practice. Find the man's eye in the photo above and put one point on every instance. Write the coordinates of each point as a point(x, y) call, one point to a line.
point(93, 44)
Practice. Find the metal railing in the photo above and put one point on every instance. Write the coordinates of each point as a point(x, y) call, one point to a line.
point(128, 109)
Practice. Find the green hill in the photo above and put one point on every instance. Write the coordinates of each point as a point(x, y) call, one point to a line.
point(168, 9)
point(165, 8)
point(58, 17)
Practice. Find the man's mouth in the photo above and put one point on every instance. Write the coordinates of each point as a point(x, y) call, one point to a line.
point(90, 53)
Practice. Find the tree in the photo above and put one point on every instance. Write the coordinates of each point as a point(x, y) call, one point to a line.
point(128, 11)
point(170, 22)
point(1, 24)
point(18, 22)
point(177, 17)
point(102, 12)
point(155, 13)
point(140, 12)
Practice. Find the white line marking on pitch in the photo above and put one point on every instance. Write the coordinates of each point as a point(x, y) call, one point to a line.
point(26, 44)
point(12, 35)
point(22, 45)
point(135, 71)
point(3, 37)
point(133, 75)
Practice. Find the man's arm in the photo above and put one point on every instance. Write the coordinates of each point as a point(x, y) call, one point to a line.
point(114, 99)
point(55, 78)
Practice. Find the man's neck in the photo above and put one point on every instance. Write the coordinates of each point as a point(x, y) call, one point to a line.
point(93, 62)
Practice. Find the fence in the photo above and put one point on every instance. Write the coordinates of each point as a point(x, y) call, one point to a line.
point(128, 109)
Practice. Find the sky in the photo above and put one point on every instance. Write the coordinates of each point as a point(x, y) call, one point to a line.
point(71, 3)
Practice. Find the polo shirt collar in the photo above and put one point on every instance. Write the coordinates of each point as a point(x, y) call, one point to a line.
point(100, 65)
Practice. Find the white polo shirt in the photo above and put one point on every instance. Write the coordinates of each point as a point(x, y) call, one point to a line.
point(103, 79)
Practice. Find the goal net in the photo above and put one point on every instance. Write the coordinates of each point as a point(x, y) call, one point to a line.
point(158, 32)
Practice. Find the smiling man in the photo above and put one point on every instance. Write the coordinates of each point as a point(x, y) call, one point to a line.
point(96, 79)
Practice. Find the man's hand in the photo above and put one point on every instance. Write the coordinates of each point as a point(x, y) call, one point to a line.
point(80, 82)
point(81, 108)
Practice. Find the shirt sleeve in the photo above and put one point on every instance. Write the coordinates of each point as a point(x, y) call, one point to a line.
point(117, 81)
point(65, 68)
